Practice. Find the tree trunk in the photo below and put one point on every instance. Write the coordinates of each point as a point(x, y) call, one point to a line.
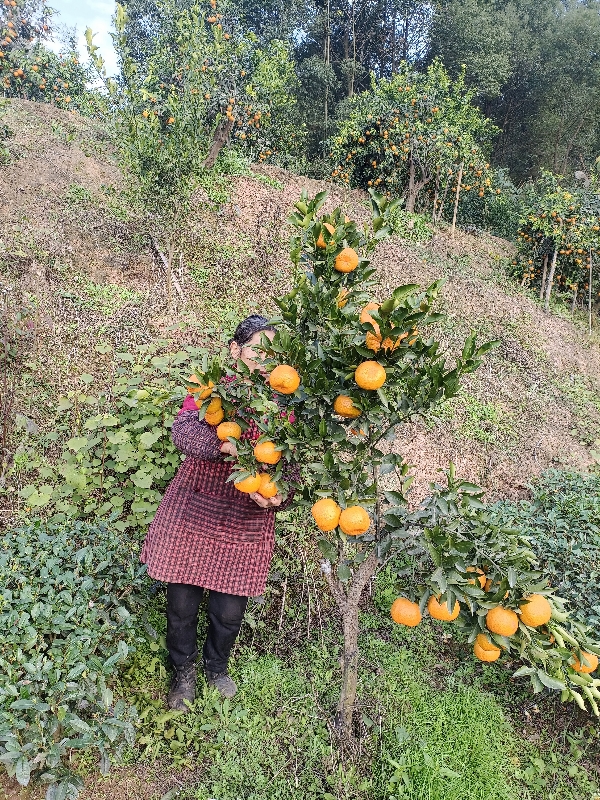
point(410, 200)
point(221, 137)
point(590, 295)
point(458, 184)
point(550, 279)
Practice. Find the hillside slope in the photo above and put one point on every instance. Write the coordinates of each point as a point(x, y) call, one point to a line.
point(72, 255)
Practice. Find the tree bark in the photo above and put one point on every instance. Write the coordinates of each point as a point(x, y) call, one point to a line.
point(221, 137)
point(544, 273)
point(590, 295)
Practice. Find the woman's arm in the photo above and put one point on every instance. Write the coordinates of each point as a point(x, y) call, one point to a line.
point(195, 438)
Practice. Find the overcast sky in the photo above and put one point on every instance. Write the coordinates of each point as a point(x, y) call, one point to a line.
point(97, 15)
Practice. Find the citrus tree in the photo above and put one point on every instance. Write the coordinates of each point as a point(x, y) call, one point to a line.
point(415, 135)
point(204, 83)
point(344, 372)
point(29, 70)
point(559, 237)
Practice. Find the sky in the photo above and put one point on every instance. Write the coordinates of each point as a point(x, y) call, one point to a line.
point(97, 15)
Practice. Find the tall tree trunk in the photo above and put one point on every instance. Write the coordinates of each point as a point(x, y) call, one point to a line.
point(221, 137)
point(544, 273)
point(410, 200)
point(550, 280)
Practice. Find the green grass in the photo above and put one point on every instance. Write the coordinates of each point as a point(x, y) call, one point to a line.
point(486, 422)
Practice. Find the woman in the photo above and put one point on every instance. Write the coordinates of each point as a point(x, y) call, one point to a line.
point(207, 535)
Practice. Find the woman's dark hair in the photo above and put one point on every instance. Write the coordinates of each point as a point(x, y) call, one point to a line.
point(248, 327)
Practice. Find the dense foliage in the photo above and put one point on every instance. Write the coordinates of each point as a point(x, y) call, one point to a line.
point(68, 601)
point(116, 455)
point(562, 523)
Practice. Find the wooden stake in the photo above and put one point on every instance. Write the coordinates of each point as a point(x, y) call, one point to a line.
point(590, 295)
point(460, 172)
point(543, 283)
point(550, 279)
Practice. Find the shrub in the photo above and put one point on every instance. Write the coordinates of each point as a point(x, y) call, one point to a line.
point(562, 523)
point(68, 600)
point(119, 458)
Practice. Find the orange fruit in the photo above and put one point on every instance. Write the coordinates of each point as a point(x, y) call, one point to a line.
point(267, 488)
point(214, 405)
point(391, 344)
point(266, 453)
point(405, 612)
point(202, 391)
point(342, 298)
point(284, 379)
point(502, 621)
point(482, 578)
point(354, 521)
point(321, 241)
point(227, 430)
point(249, 485)
point(326, 513)
point(347, 260)
point(485, 644)
point(344, 406)
point(370, 375)
point(587, 668)
point(366, 317)
point(373, 341)
point(485, 655)
point(216, 418)
point(537, 611)
point(441, 610)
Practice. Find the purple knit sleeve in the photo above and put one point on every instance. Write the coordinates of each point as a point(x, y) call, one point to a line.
point(195, 438)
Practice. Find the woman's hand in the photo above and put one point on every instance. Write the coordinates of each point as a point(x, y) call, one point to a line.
point(267, 502)
point(229, 449)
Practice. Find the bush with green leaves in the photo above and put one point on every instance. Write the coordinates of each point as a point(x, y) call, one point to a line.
point(69, 595)
point(116, 455)
point(562, 522)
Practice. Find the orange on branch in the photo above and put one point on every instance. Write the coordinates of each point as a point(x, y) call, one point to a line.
point(228, 430)
point(405, 612)
point(590, 666)
point(266, 453)
point(370, 375)
point(284, 379)
point(485, 655)
point(441, 611)
point(326, 514)
point(216, 418)
point(502, 621)
point(344, 406)
point(354, 521)
point(536, 611)
point(202, 391)
point(482, 578)
point(347, 260)
point(485, 644)
point(321, 241)
point(267, 488)
point(214, 405)
point(249, 485)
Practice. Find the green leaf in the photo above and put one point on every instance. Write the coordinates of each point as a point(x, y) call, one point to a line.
point(149, 438)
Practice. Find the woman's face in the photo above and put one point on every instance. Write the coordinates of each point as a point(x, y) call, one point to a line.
point(251, 357)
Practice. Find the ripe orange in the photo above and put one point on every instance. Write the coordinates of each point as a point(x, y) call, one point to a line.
point(216, 418)
point(202, 391)
point(586, 668)
point(284, 379)
point(370, 375)
point(354, 521)
point(502, 621)
point(229, 429)
point(537, 611)
point(326, 513)
point(249, 485)
point(485, 644)
point(321, 241)
point(405, 612)
point(266, 453)
point(344, 406)
point(267, 488)
point(482, 578)
point(441, 610)
point(214, 405)
point(347, 260)
point(485, 655)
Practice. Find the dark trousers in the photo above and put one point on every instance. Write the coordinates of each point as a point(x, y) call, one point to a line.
point(225, 616)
